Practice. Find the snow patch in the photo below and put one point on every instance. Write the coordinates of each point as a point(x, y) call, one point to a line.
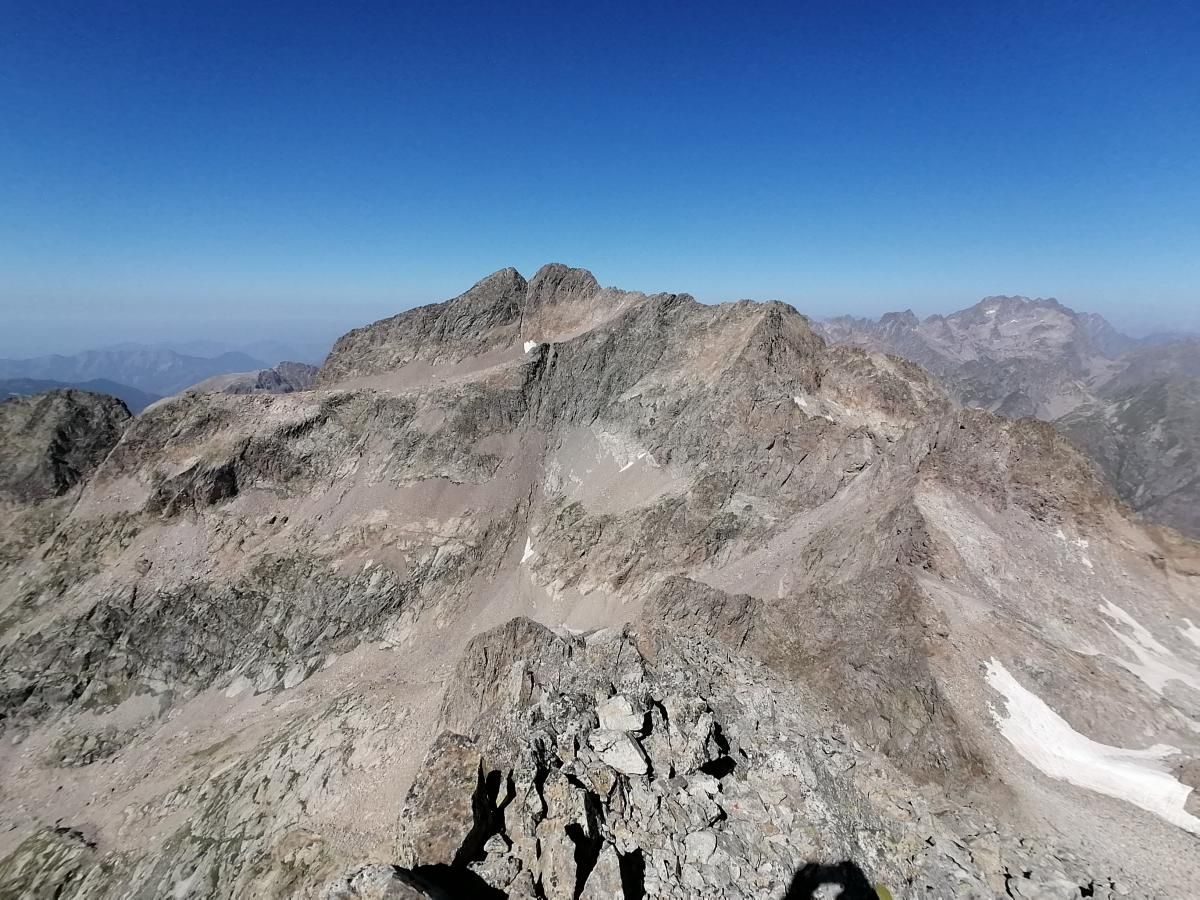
point(529, 345)
point(1047, 741)
point(1087, 562)
point(1155, 665)
point(640, 455)
point(184, 886)
point(238, 686)
point(529, 551)
point(989, 312)
point(624, 451)
point(822, 407)
point(1192, 633)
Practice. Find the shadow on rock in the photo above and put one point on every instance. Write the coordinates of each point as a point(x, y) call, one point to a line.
point(443, 882)
point(808, 882)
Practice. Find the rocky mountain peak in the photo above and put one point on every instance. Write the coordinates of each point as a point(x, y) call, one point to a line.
point(557, 283)
point(905, 319)
point(557, 592)
point(501, 287)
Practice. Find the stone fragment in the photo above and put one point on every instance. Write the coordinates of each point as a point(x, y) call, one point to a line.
point(620, 751)
point(619, 714)
point(700, 845)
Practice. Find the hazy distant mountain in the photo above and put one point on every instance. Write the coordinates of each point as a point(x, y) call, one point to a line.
point(1011, 355)
point(1128, 403)
point(154, 370)
point(269, 352)
point(135, 399)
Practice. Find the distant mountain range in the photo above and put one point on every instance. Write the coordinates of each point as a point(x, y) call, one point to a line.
point(268, 350)
point(1132, 404)
point(154, 370)
point(23, 387)
point(141, 374)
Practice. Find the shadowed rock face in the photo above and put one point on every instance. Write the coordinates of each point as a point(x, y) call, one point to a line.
point(1123, 403)
point(50, 442)
point(555, 590)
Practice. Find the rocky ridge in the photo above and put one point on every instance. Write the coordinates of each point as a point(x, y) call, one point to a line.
point(280, 379)
point(555, 590)
point(1022, 357)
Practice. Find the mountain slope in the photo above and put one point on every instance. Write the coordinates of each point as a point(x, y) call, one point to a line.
point(1146, 437)
point(554, 590)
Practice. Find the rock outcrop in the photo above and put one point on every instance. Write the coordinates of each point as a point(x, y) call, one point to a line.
point(52, 441)
point(281, 379)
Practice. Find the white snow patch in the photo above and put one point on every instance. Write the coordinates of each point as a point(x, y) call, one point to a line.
point(529, 551)
point(1059, 534)
point(1192, 633)
point(822, 407)
point(1156, 665)
point(989, 312)
point(529, 345)
point(637, 457)
point(184, 886)
point(238, 686)
point(1087, 562)
point(1046, 740)
point(624, 451)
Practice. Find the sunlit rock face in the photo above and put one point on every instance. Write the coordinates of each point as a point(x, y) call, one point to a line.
point(556, 590)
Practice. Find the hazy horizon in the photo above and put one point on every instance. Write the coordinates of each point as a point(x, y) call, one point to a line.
point(100, 329)
point(183, 172)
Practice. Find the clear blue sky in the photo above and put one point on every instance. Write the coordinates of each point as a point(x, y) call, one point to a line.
point(200, 168)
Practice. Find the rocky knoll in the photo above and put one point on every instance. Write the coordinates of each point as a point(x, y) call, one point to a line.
point(49, 443)
point(555, 590)
point(280, 379)
point(53, 441)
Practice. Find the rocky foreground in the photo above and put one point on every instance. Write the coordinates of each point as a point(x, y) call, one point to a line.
point(560, 591)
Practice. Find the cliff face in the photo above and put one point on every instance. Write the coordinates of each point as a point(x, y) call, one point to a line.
point(554, 590)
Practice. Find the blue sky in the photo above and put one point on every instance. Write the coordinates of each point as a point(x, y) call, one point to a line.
point(182, 169)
